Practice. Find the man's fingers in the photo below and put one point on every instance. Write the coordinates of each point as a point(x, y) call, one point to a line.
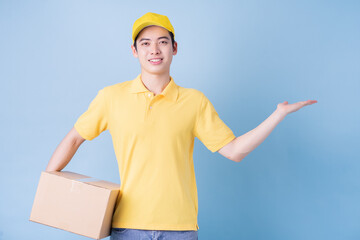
point(298, 105)
point(311, 102)
point(308, 102)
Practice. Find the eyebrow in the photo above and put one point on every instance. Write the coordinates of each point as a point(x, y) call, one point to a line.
point(143, 39)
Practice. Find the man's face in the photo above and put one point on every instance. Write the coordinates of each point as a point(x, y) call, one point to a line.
point(154, 50)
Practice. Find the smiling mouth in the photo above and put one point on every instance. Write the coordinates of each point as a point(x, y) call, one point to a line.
point(156, 60)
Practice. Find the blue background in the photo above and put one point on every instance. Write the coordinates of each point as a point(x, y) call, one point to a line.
point(301, 183)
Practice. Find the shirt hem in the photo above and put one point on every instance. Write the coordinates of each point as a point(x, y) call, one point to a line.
point(169, 227)
point(223, 143)
point(82, 134)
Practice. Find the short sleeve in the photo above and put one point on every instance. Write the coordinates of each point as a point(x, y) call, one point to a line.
point(94, 121)
point(210, 129)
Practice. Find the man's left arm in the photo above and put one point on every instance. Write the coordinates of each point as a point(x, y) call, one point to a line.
point(241, 146)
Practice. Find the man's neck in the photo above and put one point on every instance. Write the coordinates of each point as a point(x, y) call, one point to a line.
point(155, 83)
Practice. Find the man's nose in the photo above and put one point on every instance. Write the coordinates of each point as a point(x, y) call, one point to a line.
point(155, 49)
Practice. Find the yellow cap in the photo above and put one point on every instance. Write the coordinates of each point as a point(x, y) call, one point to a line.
point(151, 19)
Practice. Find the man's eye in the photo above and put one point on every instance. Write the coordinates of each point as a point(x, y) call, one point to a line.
point(144, 43)
point(163, 41)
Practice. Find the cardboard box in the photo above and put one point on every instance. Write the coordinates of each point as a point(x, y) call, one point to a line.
point(75, 203)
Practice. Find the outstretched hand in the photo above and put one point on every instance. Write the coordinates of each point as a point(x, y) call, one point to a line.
point(287, 108)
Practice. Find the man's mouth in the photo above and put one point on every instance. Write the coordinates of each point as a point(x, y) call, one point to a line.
point(156, 60)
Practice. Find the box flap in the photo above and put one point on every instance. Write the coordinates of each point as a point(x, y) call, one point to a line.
point(105, 184)
point(86, 179)
point(67, 174)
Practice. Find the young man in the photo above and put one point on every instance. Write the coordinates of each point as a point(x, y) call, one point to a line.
point(153, 123)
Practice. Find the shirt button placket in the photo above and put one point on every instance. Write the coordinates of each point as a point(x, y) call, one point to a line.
point(149, 107)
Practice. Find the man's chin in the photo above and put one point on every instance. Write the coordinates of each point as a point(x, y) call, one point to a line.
point(155, 70)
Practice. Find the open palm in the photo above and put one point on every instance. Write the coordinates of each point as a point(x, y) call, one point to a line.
point(287, 108)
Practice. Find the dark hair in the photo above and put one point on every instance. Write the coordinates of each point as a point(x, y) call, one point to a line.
point(171, 36)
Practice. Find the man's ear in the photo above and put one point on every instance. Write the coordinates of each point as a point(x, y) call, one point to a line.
point(133, 50)
point(175, 48)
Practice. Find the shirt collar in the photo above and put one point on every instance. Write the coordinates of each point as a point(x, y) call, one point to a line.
point(170, 92)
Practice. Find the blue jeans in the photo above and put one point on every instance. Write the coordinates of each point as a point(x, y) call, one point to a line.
point(140, 234)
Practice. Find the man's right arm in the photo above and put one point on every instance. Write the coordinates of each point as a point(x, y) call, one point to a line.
point(65, 151)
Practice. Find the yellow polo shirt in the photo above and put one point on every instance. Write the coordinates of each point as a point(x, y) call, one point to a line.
point(153, 138)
